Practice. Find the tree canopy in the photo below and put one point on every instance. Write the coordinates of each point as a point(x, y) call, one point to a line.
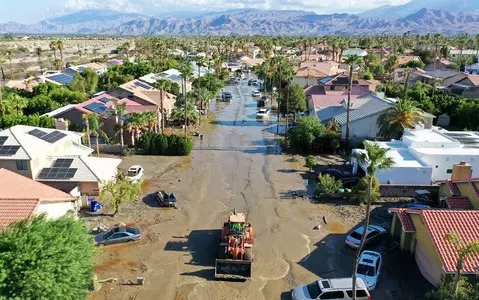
point(46, 259)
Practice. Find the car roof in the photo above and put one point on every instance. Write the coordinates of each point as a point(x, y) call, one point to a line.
point(340, 283)
point(371, 228)
point(369, 258)
point(134, 167)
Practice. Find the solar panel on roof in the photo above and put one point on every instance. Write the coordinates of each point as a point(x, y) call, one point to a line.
point(3, 139)
point(141, 84)
point(37, 133)
point(104, 99)
point(54, 136)
point(93, 106)
point(8, 150)
point(61, 78)
point(63, 163)
point(57, 173)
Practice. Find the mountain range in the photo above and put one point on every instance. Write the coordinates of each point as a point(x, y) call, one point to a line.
point(263, 22)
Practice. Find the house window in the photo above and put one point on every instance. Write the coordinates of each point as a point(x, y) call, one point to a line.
point(449, 171)
point(22, 165)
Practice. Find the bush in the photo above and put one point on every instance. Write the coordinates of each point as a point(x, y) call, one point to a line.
point(310, 161)
point(368, 76)
point(361, 189)
point(161, 144)
point(311, 136)
point(31, 120)
point(328, 185)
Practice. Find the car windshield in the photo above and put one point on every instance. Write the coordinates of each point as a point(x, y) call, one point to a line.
point(356, 235)
point(314, 290)
point(366, 270)
point(132, 173)
point(108, 234)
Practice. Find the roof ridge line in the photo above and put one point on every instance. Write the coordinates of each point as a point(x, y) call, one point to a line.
point(88, 167)
point(21, 145)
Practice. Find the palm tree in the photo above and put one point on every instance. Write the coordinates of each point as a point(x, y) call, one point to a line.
point(461, 42)
point(136, 124)
point(161, 85)
point(203, 96)
point(404, 114)
point(391, 64)
point(191, 113)
point(352, 61)
point(95, 129)
point(186, 72)
point(53, 47)
point(2, 60)
point(151, 120)
point(61, 47)
point(38, 52)
point(375, 157)
point(120, 109)
point(463, 251)
point(86, 118)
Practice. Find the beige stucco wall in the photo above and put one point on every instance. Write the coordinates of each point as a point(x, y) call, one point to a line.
point(11, 165)
point(90, 188)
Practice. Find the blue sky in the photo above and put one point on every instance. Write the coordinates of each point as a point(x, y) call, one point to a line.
point(30, 11)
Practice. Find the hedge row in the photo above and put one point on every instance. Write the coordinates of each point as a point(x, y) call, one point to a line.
point(162, 144)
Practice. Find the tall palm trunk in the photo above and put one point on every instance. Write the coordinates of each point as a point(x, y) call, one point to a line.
point(348, 108)
point(162, 112)
point(97, 145)
point(184, 97)
point(199, 88)
point(363, 237)
point(61, 58)
point(280, 94)
point(122, 142)
point(457, 276)
point(88, 132)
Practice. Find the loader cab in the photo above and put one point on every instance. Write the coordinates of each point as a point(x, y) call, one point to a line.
point(235, 228)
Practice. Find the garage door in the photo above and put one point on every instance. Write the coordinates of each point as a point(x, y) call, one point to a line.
point(429, 269)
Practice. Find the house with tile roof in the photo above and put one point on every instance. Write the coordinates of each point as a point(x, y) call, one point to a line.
point(22, 197)
point(328, 101)
point(467, 87)
point(172, 75)
point(461, 191)
point(104, 106)
point(56, 158)
point(423, 234)
point(357, 51)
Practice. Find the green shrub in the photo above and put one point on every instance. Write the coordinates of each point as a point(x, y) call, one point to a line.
point(361, 189)
point(310, 161)
point(161, 144)
point(328, 185)
point(368, 76)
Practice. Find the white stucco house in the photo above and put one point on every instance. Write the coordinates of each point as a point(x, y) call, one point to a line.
point(423, 156)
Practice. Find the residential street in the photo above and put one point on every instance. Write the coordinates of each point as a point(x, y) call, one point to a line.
point(238, 165)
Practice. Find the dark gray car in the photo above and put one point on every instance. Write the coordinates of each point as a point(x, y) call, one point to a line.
point(117, 235)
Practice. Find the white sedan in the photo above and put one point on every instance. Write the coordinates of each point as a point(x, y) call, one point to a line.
point(369, 268)
point(374, 231)
point(256, 94)
point(135, 173)
point(262, 113)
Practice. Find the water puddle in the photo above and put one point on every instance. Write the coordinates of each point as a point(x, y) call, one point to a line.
point(336, 227)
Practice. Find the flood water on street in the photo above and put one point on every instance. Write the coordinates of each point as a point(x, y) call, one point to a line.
point(237, 165)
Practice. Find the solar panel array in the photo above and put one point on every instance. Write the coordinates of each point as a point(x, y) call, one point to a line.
point(104, 99)
point(3, 139)
point(51, 137)
point(61, 78)
point(57, 173)
point(63, 163)
point(8, 150)
point(96, 107)
point(143, 85)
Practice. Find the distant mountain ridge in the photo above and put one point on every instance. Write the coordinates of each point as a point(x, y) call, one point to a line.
point(401, 11)
point(249, 22)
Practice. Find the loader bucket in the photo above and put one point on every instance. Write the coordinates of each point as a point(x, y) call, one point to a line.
point(233, 269)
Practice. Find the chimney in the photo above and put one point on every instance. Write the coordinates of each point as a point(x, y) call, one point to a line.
point(61, 124)
point(461, 171)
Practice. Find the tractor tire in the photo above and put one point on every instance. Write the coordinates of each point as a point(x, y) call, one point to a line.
point(248, 254)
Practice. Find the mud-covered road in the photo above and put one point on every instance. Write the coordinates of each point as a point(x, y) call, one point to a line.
point(238, 165)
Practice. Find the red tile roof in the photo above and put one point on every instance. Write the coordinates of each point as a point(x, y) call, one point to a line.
point(16, 186)
point(474, 79)
point(464, 223)
point(462, 203)
point(453, 188)
point(406, 221)
point(12, 210)
point(322, 98)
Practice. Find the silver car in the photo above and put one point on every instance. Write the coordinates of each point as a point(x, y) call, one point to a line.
point(117, 235)
point(337, 288)
point(354, 238)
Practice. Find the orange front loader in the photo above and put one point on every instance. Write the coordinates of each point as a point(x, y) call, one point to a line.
point(235, 255)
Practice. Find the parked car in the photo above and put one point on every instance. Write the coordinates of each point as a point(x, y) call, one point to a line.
point(349, 182)
point(262, 113)
point(250, 82)
point(256, 93)
point(335, 173)
point(373, 233)
point(264, 98)
point(369, 268)
point(254, 81)
point(260, 104)
point(227, 96)
point(135, 173)
point(340, 288)
point(118, 235)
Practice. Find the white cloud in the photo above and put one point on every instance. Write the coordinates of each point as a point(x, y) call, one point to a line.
point(162, 7)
